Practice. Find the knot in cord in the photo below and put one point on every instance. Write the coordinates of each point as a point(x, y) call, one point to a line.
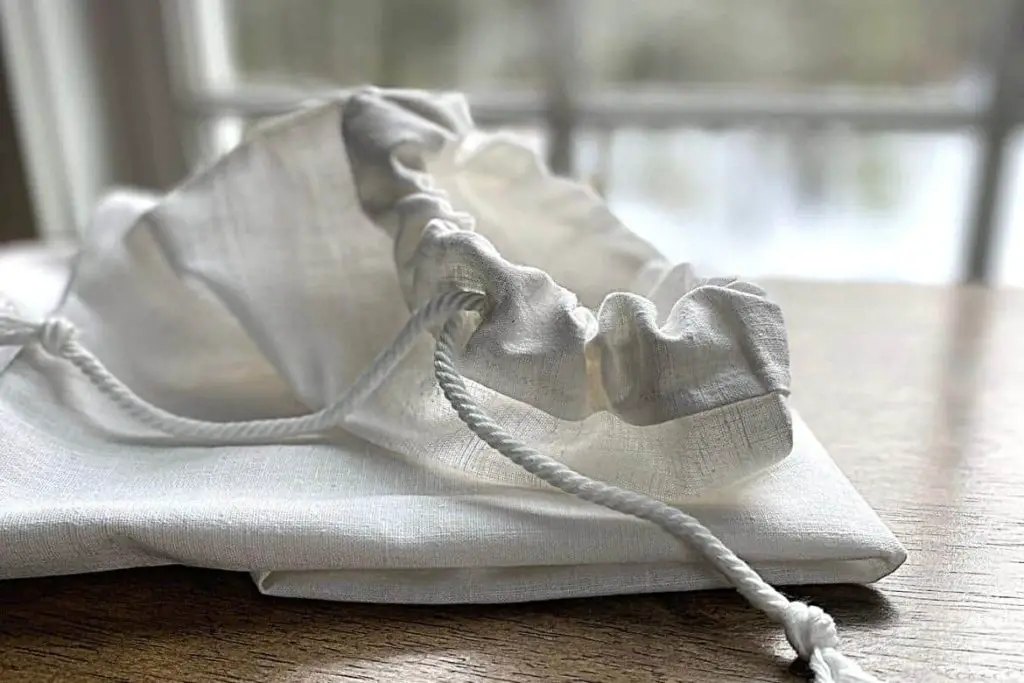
point(811, 631)
point(55, 334)
point(809, 628)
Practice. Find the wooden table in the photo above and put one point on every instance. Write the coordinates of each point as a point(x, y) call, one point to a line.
point(918, 393)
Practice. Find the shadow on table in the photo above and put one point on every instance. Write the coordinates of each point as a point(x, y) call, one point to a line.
point(198, 620)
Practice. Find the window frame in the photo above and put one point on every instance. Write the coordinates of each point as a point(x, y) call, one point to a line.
point(192, 87)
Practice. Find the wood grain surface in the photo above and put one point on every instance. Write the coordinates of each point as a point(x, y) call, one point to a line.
point(917, 392)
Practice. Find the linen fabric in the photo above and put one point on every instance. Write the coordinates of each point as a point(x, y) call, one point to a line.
point(266, 283)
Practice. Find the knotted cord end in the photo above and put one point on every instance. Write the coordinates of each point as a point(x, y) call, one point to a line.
point(812, 633)
point(53, 334)
point(809, 628)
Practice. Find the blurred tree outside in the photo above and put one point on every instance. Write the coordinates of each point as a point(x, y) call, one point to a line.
point(464, 43)
point(629, 45)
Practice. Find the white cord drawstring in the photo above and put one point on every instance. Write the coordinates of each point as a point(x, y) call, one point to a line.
point(57, 336)
point(810, 630)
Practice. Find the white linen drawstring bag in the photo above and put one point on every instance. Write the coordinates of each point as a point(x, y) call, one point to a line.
point(321, 360)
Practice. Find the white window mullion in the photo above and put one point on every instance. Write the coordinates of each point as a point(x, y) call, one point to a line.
point(50, 69)
point(202, 48)
point(559, 21)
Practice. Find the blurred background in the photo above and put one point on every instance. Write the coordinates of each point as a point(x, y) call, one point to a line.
point(826, 139)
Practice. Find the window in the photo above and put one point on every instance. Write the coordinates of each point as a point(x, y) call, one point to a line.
point(834, 139)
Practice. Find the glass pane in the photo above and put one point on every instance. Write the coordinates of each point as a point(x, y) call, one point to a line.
point(218, 136)
point(787, 44)
point(815, 204)
point(401, 43)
